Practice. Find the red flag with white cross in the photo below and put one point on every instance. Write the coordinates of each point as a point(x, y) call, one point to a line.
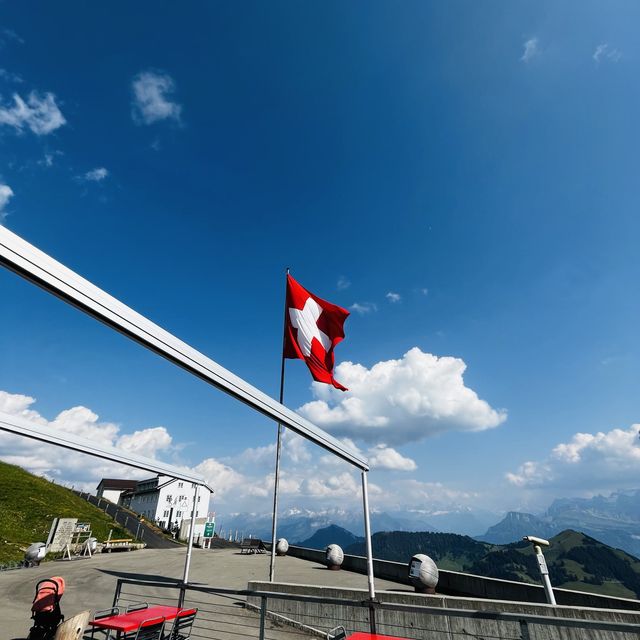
point(313, 328)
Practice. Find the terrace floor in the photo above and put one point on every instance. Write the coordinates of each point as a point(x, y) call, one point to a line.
point(91, 582)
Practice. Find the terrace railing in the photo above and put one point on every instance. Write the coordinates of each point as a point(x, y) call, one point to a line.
point(264, 615)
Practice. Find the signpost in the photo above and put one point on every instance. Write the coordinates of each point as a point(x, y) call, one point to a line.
point(63, 535)
point(209, 532)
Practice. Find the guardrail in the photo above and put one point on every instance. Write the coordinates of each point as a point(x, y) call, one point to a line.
point(270, 615)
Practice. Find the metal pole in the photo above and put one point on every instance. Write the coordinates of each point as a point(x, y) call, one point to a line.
point(367, 535)
point(276, 480)
point(544, 572)
point(192, 526)
point(274, 522)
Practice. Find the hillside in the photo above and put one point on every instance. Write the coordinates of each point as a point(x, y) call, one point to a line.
point(29, 503)
point(575, 560)
point(332, 534)
point(450, 550)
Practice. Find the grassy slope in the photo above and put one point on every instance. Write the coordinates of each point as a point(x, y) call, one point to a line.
point(28, 504)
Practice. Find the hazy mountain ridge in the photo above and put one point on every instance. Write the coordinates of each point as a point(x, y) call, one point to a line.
point(300, 524)
point(332, 534)
point(613, 519)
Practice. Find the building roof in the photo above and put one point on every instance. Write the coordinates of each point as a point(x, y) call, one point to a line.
point(115, 483)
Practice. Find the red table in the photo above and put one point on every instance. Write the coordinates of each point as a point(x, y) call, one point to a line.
point(125, 622)
point(361, 635)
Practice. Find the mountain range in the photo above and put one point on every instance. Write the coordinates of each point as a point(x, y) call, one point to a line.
point(614, 520)
point(300, 524)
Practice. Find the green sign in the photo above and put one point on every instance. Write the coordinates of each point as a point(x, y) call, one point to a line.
point(209, 528)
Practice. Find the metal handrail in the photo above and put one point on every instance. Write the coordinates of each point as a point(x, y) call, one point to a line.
point(497, 616)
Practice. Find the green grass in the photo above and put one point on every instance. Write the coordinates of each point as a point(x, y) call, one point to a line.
point(28, 504)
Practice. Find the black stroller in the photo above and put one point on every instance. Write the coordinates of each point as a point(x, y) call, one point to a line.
point(45, 609)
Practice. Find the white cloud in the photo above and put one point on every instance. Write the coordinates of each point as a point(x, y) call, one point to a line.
point(151, 98)
point(588, 462)
point(400, 401)
point(221, 477)
point(343, 283)
point(49, 158)
point(383, 457)
point(96, 175)
point(82, 470)
point(363, 308)
point(393, 297)
point(6, 193)
point(9, 76)
point(604, 52)
point(7, 35)
point(39, 113)
point(531, 50)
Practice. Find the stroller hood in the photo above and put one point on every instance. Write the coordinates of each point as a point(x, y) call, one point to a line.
point(48, 594)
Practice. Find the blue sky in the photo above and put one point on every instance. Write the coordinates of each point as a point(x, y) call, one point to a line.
point(477, 161)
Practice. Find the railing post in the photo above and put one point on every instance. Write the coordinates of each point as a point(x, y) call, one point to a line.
point(263, 615)
point(372, 616)
point(524, 630)
point(116, 595)
point(181, 597)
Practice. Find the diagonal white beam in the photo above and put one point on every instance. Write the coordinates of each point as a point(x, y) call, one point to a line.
point(23, 427)
point(36, 266)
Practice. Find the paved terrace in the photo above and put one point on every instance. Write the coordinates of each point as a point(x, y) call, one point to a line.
point(314, 596)
point(91, 584)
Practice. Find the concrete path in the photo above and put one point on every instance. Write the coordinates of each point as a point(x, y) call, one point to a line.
point(91, 584)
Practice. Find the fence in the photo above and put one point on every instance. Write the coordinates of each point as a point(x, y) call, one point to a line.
point(270, 615)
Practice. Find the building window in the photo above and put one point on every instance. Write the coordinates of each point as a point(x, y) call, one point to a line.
point(179, 485)
point(178, 514)
point(169, 496)
point(198, 498)
point(166, 514)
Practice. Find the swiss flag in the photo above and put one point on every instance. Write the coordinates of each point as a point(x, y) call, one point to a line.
point(313, 327)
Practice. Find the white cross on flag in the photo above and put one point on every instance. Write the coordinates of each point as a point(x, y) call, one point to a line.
point(313, 328)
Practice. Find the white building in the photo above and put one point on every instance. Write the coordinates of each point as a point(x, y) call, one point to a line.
point(111, 488)
point(166, 501)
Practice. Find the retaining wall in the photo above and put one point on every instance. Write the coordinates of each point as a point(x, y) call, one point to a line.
point(455, 583)
point(420, 625)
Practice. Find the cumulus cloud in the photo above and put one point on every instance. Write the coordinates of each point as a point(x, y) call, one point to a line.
point(363, 308)
point(383, 457)
point(84, 471)
point(343, 283)
point(531, 50)
point(39, 113)
point(606, 53)
point(400, 401)
point(6, 193)
point(589, 462)
point(393, 297)
point(220, 476)
point(96, 175)
point(152, 98)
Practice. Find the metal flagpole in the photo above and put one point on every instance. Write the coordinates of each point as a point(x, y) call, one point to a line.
point(274, 522)
point(367, 535)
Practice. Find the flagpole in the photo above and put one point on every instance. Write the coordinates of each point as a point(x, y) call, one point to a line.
point(274, 523)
